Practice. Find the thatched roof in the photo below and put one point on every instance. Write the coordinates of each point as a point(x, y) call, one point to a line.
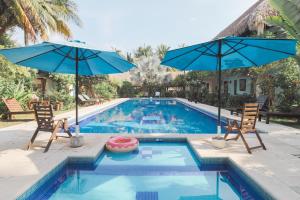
point(251, 20)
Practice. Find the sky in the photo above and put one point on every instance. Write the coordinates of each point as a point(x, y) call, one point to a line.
point(127, 24)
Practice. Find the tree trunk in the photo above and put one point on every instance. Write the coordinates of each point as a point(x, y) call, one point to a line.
point(26, 38)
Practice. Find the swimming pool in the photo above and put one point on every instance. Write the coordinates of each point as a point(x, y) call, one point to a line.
point(149, 116)
point(156, 171)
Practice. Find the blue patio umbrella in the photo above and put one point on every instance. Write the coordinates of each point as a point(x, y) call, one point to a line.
point(229, 53)
point(72, 57)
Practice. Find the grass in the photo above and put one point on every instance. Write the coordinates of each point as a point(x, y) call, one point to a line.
point(18, 119)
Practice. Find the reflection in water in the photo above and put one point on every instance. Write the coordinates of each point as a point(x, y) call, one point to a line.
point(144, 116)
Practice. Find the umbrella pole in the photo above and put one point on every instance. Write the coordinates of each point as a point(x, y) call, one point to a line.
point(219, 89)
point(76, 92)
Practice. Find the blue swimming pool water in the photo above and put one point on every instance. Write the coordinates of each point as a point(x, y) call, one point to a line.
point(156, 171)
point(146, 116)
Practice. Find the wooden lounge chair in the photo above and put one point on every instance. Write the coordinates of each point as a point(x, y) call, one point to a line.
point(157, 94)
point(14, 108)
point(83, 101)
point(247, 125)
point(45, 121)
point(263, 102)
point(93, 101)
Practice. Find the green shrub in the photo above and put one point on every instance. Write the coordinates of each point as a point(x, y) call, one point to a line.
point(105, 90)
point(211, 99)
point(9, 89)
point(287, 78)
point(238, 101)
point(127, 90)
point(67, 100)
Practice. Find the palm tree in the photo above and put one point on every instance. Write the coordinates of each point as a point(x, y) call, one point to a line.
point(38, 17)
point(162, 50)
point(144, 51)
point(129, 57)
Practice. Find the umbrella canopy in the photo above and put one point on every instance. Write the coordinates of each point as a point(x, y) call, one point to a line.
point(229, 53)
point(61, 58)
point(70, 57)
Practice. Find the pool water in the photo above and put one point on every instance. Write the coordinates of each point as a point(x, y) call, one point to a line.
point(149, 116)
point(156, 171)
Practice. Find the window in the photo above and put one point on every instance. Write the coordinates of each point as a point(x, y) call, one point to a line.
point(242, 84)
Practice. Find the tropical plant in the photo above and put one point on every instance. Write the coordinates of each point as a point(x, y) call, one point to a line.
point(6, 41)
point(38, 17)
point(63, 81)
point(287, 79)
point(129, 57)
point(148, 73)
point(62, 97)
point(10, 89)
point(61, 90)
point(288, 20)
point(86, 83)
point(143, 51)
point(127, 90)
point(148, 70)
point(161, 51)
point(106, 89)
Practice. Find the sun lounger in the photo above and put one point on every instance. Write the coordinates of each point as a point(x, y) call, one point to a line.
point(14, 108)
point(93, 101)
point(157, 94)
point(45, 121)
point(247, 125)
point(83, 101)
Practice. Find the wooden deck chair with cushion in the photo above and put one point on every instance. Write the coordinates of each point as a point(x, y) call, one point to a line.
point(263, 102)
point(45, 121)
point(14, 108)
point(83, 101)
point(247, 125)
point(91, 100)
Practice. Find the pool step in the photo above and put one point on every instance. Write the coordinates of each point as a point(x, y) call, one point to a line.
point(146, 196)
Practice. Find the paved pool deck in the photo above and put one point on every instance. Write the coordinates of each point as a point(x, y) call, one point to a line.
point(276, 170)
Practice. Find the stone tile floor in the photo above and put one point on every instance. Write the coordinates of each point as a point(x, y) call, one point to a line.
point(277, 170)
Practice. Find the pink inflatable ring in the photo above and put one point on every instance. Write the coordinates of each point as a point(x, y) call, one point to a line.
point(122, 144)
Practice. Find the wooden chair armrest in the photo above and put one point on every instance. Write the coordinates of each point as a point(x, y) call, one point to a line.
point(232, 122)
point(61, 119)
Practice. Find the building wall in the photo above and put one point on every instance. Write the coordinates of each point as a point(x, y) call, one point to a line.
point(239, 90)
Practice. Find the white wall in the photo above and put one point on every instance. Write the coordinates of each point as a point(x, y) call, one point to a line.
point(231, 80)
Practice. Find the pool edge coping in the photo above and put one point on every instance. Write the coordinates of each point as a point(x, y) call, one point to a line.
point(207, 160)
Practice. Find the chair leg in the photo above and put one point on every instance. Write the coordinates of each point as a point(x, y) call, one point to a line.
point(236, 137)
point(245, 142)
point(53, 136)
point(260, 140)
point(232, 138)
point(226, 134)
point(32, 139)
point(68, 132)
point(267, 119)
